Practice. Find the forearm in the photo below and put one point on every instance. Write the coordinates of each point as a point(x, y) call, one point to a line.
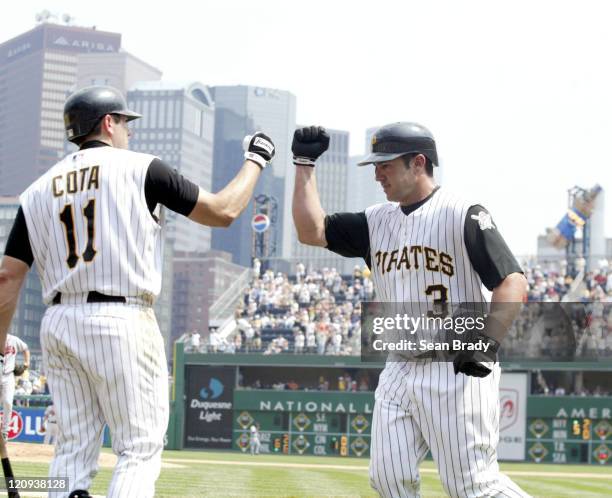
point(506, 304)
point(220, 209)
point(237, 194)
point(26, 357)
point(308, 215)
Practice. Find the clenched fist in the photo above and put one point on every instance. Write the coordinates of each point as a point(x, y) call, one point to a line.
point(308, 144)
point(258, 148)
point(477, 363)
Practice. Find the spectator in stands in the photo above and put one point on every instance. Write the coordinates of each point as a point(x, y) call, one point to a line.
point(321, 338)
point(299, 341)
point(311, 340)
point(300, 272)
point(193, 342)
point(336, 339)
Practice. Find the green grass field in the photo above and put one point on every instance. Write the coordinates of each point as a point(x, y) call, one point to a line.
point(225, 474)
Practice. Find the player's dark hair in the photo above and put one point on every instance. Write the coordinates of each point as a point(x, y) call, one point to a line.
point(97, 129)
point(428, 165)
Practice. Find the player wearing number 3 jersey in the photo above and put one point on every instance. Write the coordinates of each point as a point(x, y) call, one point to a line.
point(425, 245)
point(92, 224)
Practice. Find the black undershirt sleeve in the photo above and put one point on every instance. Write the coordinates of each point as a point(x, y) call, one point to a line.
point(347, 234)
point(18, 243)
point(488, 252)
point(165, 185)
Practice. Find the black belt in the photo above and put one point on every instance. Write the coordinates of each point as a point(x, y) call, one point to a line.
point(94, 297)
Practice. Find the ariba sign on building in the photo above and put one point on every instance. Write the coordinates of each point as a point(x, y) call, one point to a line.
point(60, 38)
point(81, 40)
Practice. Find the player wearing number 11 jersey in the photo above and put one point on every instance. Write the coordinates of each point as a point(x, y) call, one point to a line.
point(92, 226)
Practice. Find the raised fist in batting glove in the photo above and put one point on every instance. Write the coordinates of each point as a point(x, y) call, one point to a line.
point(477, 363)
point(308, 144)
point(258, 148)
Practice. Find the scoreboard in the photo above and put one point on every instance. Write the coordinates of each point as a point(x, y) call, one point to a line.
point(569, 430)
point(569, 440)
point(305, 427)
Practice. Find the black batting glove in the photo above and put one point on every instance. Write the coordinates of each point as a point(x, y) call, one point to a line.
point(258, 148)
point(308, 144)
point(477, 363)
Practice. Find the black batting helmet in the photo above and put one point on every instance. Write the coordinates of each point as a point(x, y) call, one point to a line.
point(394, 140)
point(86, 107)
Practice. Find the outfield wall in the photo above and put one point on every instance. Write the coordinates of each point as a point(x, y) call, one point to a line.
point(210, 412)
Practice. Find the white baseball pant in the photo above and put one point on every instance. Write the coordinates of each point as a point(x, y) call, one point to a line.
point(106, 365)
point(423, 405)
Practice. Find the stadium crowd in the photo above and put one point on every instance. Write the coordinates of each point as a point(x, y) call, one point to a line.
point(564, 318)
point(312, 312)
point(318, 311)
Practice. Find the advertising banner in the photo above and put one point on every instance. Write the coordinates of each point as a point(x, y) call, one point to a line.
point(512, 416)
point(209, 406)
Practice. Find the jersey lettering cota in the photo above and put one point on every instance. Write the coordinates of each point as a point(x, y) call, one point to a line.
point(90, 228)
point(422, 257)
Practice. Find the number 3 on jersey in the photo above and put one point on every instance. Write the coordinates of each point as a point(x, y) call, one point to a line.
point(439, 293)
point(67, 218)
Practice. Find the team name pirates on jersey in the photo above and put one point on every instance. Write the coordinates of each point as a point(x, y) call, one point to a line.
point(76, 180)
point(414, 258)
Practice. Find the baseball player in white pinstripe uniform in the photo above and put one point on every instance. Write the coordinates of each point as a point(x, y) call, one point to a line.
point(12, 346)
point(91, 225)
point(50, 425)
point(425, 245)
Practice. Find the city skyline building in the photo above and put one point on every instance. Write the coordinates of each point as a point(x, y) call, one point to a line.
point(242, 110)
point(199, 279)
point(178, 126)
point(121, 70)
point(37, 71)
point(30, 308)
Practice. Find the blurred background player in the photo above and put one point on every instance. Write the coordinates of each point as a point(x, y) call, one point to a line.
point(254, 442)
point(13, 346)
point(50, 425)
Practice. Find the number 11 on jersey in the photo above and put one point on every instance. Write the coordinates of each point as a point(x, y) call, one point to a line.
point(67, 219)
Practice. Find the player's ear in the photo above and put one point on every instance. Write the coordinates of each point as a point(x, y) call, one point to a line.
point(419, 161)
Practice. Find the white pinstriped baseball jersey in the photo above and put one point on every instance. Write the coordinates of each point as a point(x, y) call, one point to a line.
point(90, 228)
point(423, 257)
point(421, 404)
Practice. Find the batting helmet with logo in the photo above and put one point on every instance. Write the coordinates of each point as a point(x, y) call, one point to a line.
point(394, 140)
point(86, 107)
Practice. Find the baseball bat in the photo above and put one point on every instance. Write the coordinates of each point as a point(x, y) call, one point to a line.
point(6, 468)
